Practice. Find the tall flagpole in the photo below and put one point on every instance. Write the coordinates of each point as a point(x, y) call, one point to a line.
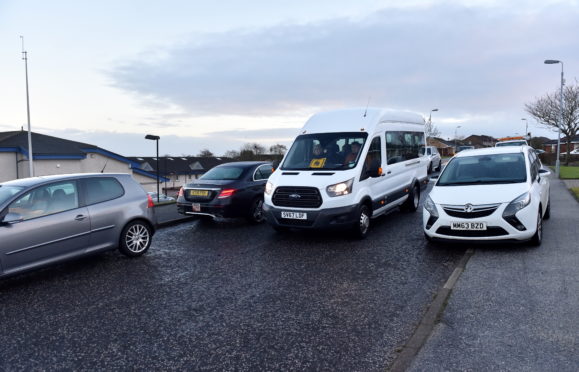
point(30, 156)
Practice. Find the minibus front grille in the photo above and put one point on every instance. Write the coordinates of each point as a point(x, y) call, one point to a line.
point(299, 197)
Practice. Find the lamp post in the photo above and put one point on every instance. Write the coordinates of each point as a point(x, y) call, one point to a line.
point(430, 124)
point(155, 138)
point(30, 154)
point(558, 162)
point(455, 134)
point(526, 128)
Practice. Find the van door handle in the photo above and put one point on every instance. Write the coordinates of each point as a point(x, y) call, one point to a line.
point(389, 172)
point(80, 217)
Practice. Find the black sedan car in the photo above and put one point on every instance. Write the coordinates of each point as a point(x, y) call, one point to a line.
point(228, 190)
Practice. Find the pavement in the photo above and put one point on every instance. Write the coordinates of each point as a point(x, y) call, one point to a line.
point(514, 308)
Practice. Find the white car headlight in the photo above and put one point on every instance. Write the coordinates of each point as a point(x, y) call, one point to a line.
point(430, 206)
point(516, 205)
point(268, 188)
point(342, 188)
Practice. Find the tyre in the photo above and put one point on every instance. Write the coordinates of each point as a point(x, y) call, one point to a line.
point(538, 237)
point(256, 211)
point(362, 224)
point(411, 204)
point(547, 214)
point(135, 239)
point(429, 168)
point(439, 166)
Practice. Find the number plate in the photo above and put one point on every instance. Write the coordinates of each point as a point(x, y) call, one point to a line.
point(468, 226)
point(196, 207)
point(294, 215)
point(198, 192)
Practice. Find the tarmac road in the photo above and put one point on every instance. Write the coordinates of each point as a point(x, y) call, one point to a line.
point(229, 296)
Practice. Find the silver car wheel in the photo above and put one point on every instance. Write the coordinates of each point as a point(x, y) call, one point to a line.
point(137, 238)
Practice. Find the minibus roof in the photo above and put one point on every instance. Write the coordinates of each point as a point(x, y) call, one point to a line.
point(357, 119)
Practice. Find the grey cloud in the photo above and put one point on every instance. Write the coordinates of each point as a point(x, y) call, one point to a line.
point(466, 59)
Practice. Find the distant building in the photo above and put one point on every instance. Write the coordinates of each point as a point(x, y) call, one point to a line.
point(479, 141)
point(178, 170)
point(53, 155)
point(551, 145)
point(445, 148)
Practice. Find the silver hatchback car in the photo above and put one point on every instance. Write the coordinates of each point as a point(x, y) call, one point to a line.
point(44, 220)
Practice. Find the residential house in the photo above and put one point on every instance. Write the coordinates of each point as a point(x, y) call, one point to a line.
point(445, 148)
point(177, 170)
point(479, 141)
point(551, 145)
point(53, 155)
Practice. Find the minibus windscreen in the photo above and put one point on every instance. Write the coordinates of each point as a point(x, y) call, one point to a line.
point(335, 151)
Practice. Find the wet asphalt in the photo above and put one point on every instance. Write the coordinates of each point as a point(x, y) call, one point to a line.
point(229, 296)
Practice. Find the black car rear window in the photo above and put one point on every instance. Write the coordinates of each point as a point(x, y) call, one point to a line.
point(223, 173)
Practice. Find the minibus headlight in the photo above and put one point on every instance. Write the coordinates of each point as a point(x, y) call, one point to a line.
point(342, 188)
point(430, 206)
point(268, 188)
point(516, 205)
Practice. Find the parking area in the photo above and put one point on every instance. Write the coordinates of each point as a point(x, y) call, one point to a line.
point(229, 296)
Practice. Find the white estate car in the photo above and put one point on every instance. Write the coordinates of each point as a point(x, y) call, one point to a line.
point(489, 194)
point(434, 159)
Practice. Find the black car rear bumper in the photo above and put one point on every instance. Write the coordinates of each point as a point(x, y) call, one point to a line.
point(213, 210)
point(324, 218)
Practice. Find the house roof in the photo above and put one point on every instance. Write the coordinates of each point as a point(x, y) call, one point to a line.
point(45, 147)
point(179, 164)
point(574, 139)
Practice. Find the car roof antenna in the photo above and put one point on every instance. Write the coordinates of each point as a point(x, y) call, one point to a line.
point(366, 111)
point(106, 162)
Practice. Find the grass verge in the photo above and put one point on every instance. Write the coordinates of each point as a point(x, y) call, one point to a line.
point(568, 172)
point(575, 192)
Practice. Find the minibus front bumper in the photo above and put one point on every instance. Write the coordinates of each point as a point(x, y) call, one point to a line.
point(315, 219)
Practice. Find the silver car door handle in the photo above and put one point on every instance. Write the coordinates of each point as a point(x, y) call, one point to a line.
point(80, 217)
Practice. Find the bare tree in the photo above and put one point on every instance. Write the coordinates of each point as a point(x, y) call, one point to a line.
point(255, 148)
point(278, 149)
point(546, 110)
point(430, 130)
point(205, 153)
point(233, 154)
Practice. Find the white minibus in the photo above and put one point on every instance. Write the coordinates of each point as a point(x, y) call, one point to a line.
point(346, 167)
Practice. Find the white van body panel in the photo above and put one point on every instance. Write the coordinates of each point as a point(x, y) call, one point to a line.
point(385, 192)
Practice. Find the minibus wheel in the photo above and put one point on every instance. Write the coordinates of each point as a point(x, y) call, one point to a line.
point(411, 204)
point(362, 225)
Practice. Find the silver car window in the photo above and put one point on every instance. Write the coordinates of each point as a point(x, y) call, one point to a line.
point(46, 200)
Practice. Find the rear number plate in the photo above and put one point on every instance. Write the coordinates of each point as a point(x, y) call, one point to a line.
point(198, 192)
point(294, 215)
point(468, 226)
point(196, 207)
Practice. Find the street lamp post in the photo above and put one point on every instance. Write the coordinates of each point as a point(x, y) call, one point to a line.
point(558, 162)
point(526, 128)
point(430, 124)
point(455, 134)
point(30, 154)
point(155, 138)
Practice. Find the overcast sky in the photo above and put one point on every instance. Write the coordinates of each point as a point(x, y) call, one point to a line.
point(218, 74)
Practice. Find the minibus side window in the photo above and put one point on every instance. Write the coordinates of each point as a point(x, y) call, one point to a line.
point(373, 158)
point(401, 146)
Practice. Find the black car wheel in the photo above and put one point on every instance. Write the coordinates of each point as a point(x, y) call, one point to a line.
point(429, 168)
point(256, 211)
point(135, 239)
